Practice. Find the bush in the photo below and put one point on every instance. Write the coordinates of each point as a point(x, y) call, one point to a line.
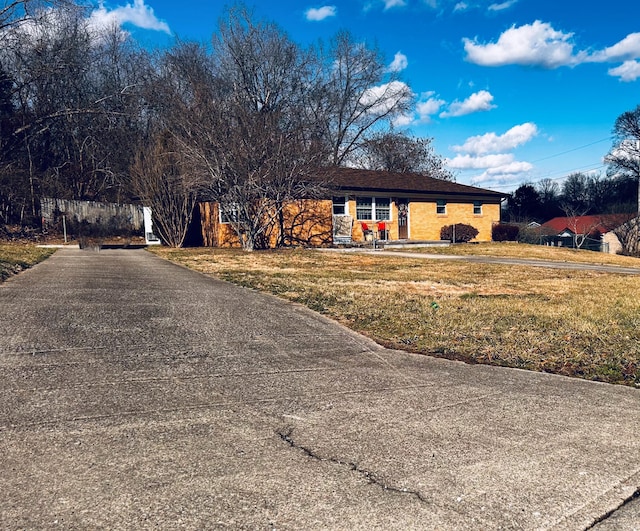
point(463, 233)
point(503, 232)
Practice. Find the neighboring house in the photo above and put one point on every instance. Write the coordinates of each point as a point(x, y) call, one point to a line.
point(594, 232)
point(368, 204)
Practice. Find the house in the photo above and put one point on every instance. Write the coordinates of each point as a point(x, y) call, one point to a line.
point(368, 204)
point(594, 232)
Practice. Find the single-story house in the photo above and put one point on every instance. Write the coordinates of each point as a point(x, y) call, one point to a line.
point(365, 204)
point(593, 232)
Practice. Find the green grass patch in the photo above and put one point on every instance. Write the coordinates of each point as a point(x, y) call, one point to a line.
point(576, 323)
point(17, 257)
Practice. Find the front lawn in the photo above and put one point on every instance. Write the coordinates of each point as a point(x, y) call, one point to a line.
point(584, 324)
point(15, 257)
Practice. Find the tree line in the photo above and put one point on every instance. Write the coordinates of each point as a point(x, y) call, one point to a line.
point(88, 114)
point(579, 194)
point(616, 192)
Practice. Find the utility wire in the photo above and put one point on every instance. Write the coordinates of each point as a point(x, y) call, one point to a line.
point(564, 173)
point(572, 150)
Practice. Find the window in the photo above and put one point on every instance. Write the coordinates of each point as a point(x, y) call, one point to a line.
point(229, 213)
point(373, 208)
point(383, 208)
point(340, 206)
point(441, 206)
point(364, 208)
point(477, 208)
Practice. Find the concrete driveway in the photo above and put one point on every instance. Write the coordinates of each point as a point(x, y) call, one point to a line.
point(138, 394)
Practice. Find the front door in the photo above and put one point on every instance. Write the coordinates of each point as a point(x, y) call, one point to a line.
point(403, 219)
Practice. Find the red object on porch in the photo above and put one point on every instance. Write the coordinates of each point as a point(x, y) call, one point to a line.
point(382, 230)
point(367, 233)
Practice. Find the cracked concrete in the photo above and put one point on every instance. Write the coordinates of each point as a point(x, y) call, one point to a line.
point(371, 477)
point(625, 516)
point(139, 394)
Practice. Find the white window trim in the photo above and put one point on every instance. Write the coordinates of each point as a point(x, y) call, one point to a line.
point(346, 204)
point(441, 203)
point(374, 212)
point(479, 205)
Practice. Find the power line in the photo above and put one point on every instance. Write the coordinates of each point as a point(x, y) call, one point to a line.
point(564, 173)
point(572, 150)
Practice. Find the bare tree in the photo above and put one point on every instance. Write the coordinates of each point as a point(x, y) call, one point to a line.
point(582, 231)
point(252, 141)
point(628, 234)
point(398, 152)
point(354, 93)
point(160, 179)
point(74, 105)
point(624, 156)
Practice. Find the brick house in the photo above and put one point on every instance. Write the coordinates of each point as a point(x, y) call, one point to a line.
point(373, 204)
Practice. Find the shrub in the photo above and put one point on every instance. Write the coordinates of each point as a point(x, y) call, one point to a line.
point(503, 232)
point(462, 233)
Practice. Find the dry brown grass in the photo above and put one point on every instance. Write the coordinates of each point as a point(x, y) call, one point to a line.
point(535, 252)
point(584, 324)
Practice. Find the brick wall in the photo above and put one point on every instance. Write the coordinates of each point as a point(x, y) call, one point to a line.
point(425, 223)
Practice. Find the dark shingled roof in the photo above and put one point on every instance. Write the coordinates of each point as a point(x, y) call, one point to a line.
point(385, 181)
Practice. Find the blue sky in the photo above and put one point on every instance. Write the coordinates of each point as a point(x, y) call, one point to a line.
point(510, 91)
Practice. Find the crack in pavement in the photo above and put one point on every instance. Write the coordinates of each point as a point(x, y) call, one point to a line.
point(608, 515)
point(370, 476)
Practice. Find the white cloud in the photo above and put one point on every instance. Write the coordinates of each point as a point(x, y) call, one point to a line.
point(502, 6)
point(461, 6)
point(428, 106)
point(389, 4)
point(493, 143)
point(627, 71)
point(628, 48)
point(139, 14)
point(488, 178)
point(404, 120)
point(477, 102)
point(487, 152)
point(508, 172)
point(320, 13)
point(513, 168)
point(532, 44)
point(469, 162)
point(383, 98)
point(539, 44)
point(399, 63)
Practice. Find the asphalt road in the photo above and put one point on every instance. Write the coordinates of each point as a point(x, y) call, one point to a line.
point(138, 394)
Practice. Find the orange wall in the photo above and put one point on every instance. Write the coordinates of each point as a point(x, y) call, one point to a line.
point(306, 222)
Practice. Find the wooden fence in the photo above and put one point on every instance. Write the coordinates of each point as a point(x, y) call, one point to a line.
point(128, 217)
